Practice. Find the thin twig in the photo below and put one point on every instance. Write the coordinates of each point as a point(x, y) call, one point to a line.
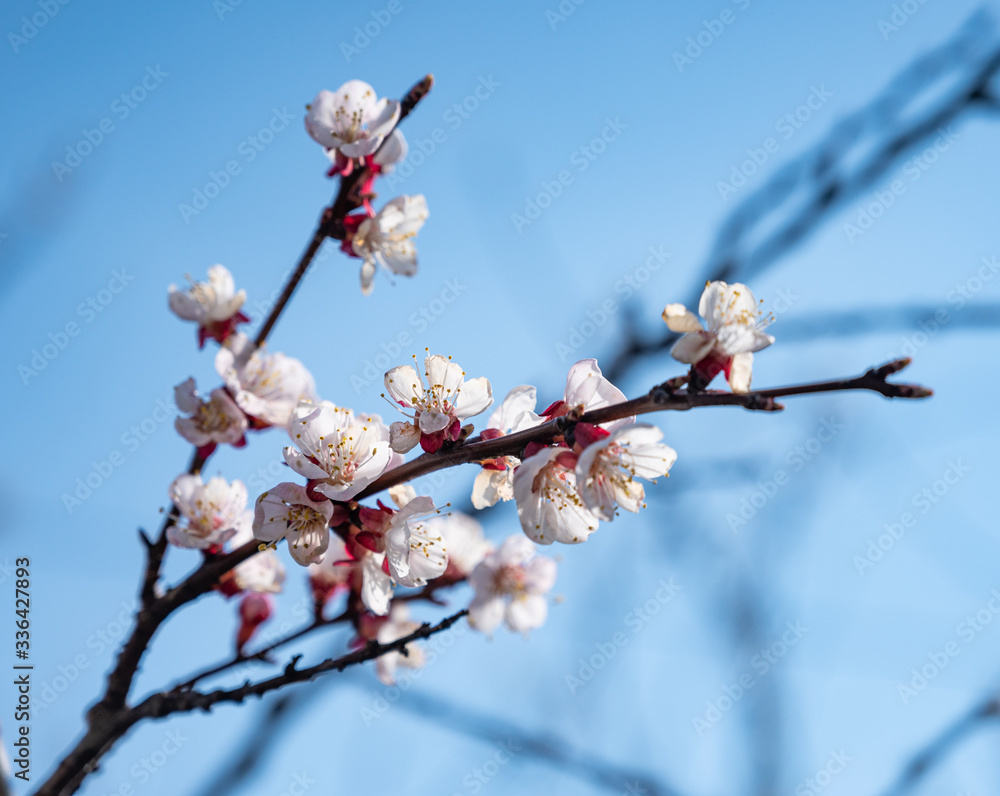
point(260, 654)
point(794, 202)
point(658, 399)
point(107, 720)
point(170, 702)
point(935, 752)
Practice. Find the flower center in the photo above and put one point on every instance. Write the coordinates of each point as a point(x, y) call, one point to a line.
point(212, 418)
point(611, 466)
point(203, 293)
point(554, 483)
point(301, 518)
point(509, 579)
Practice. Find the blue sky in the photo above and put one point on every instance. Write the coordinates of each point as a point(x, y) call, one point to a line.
point(97, 246)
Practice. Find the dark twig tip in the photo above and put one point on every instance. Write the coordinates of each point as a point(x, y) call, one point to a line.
point(911, 391)
point(883, 371)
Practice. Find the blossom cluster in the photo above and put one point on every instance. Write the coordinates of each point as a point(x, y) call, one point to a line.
point(356, 129)
point(381, 557)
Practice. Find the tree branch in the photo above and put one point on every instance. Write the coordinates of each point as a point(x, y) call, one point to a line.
point(184, 701)
point(262, 653)
point(940, 747)
point(660, 398)
point(331, 223)
point(799, 197)
point(106, 717)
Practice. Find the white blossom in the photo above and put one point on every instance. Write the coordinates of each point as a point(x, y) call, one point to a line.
point(217, 420)
point(267, 386)
point(511, 585)
point(414, 548)
point(734, 331)
point(341, 451)
point(408, 550)
point(496, 480)
point(394, 150)
point(586, 388)
point(463, 539)
point(386, 238)
point(207, 302)
point(607, 470)
point(287, 512)
point(548, 502)
point(263, 572)
point(439, 408)
point(351, 121)
point(211, 511)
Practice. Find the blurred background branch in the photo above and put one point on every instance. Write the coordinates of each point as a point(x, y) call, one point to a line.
point(943, 87)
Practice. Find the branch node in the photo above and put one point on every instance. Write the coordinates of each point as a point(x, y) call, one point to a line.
point(662, 393)
point(761, 403)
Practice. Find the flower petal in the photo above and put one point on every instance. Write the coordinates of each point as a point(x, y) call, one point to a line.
point(376, 586)
point(486, 614)
point(740, 372)
point(680, 319)
point(476, 397)
point(186, 397)
point(404, 385)
point(301, 464)
point(692, 347)
point(527, 612)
